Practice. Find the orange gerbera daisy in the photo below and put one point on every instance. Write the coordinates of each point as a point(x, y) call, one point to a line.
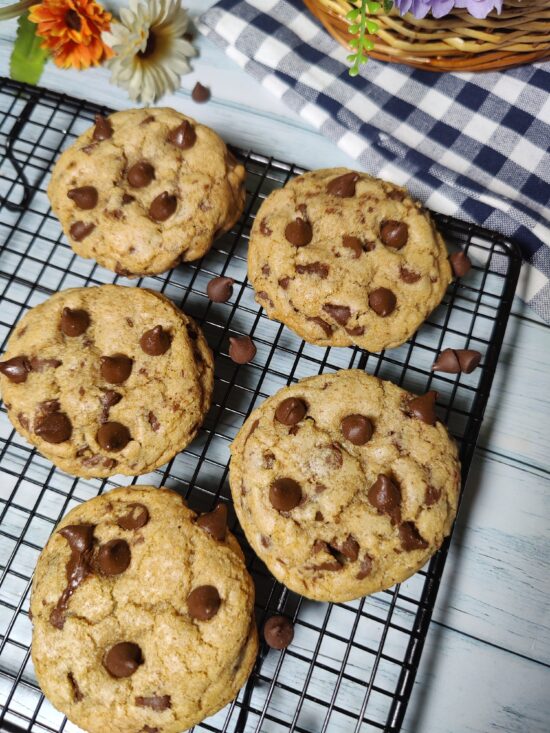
point(71, 30)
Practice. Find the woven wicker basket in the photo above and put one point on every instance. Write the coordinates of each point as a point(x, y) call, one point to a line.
point(458, 42)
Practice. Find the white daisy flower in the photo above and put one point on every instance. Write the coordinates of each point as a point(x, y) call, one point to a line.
point(151, 53)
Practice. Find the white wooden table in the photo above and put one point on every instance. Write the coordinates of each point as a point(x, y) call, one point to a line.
point(486, 661)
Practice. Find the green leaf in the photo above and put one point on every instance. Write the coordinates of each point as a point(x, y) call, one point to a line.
point(352, 15)
point(354, 28)
point(372, 27)
point(27, 58)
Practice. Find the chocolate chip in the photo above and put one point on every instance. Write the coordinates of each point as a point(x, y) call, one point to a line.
point(80, 538)
point(394, 234)
point(349, 548)
point(357, 331)
point(461, 263)
point(468, 359)
point(409, 276)
point(103, 129)
point(265, 230)
point(241, 349)
point(343, 186)
point(340, 313)
point(203, 602)
point(140, 174)
point(290, 411)
point(220, 289)
point(382, 301)
point(385, 496)
point(74, 322)
point(116, 369)
point(155, 702)
point(54, 428)
point(48, 407)
point(432, 495)
point(333, 456)
point(319, 516)
point(314, 268)
point(183, 136)
point(153, 421)
point(16, 369)
point(113, 436)
point(113, 557)
point(423, 407)
point(156, 341)
point(41, 365)
point(299, 232)
point(357, 429)
point(278, 632)
point(365, 568)
point(285, 494)
point(136, 518)
point(327, 328)
point(284, 282)
point(163, 206)
point(411, 538)
point(77, 693)
point(84, 197)
point(127, 199)
point(108, 400)
point(80, 230)
point(354, 244)
point(331, 565)
point(123, 659)
point(200, 94)
point(215, 522)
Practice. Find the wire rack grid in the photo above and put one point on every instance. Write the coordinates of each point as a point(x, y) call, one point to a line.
point(352, 665)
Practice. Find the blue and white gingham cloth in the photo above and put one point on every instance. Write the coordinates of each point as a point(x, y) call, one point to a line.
point(471, 145)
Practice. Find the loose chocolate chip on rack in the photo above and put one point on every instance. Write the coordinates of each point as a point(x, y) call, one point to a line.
point(156, 341)
point(183, 136)
point(114, 557)
point(385, 496)
point(285, 494)
point(54, 428)
point(116, 369)
point(278, 632)
point(200, 93)
point(220, 289)
point(103, 129)
point(123, 659)
point(340, 313)
point(140, 174)
point(241, 349)
point(409, 276)
point(365, 568)
point(343, 186)
point(136, 518)
point(163, 206)
point(423, 407)
point(84, 197)
point(461, 263)
point(80, 538)
point(299, 232)
point(41, 365)
point(468, 359)
point(155, 702)
point(411, 538)
point(290, 411)
point(16, 369)
point(203, 602)
point(354, 244)
point(357, 429)
point(382, 301)
point(113, 436)
point(80, 230)
point(215, 522)
point(447, 361)
point(74, 322)
point(394, 234)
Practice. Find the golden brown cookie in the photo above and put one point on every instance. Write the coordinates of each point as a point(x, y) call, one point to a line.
point(343, 258)
point(142, 614)
point(344, 484)
point(107, 380)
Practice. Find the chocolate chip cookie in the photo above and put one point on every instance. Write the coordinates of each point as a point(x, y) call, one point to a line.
point(343, 258)
point(107, 380)
point(344, 484)
point(144, 189)
point(142, 614)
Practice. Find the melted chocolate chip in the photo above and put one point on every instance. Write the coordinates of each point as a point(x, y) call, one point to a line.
point(220, 289)
point(80, 230)
point(140, 174)
point(423, 407)
point(84, 197)
point(109, 399)
point(155, 702)
point(284, 282)
point(203, 602)
point(123, 659)
point(265, 230)
point(394, 234)
point(241, 349)
point(290, 411)
point(278, 632)
point(299, 232)
point(183, 136)
point(382, 301)
point(80, 538)
point(354, 244)
point(409, 276)
point(163, 206)
point(340, 313)
point(127, 199)
point(153, 421)
point(77, 693)
point(411, 538)
point(327, 328)
point(461, 263)
point(357, 429)
point(114, 557)
point(54, 428)
point(113, 436)
point(432, 495)
point(365, 568)
point(285, 494)
point(314, 268)
point(74, 322)
point(200, 94)
point(156, 341)
point(357, 331)
point(49, 406)
point(16, 369)
point(343, 186)
point(41, 365)
point(116, 369)
point(349, 548)
point(136, 518)
point(103, 129)
point(215, 522)
point(385, 496)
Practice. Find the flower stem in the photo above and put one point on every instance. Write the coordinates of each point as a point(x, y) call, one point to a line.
point(13, 11)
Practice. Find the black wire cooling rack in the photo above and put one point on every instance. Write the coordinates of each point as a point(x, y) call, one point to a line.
point(351, 666)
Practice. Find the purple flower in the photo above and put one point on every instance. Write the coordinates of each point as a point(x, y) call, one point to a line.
point(439, 8)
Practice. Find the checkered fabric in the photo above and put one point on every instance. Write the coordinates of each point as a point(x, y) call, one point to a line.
point(471, 145)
